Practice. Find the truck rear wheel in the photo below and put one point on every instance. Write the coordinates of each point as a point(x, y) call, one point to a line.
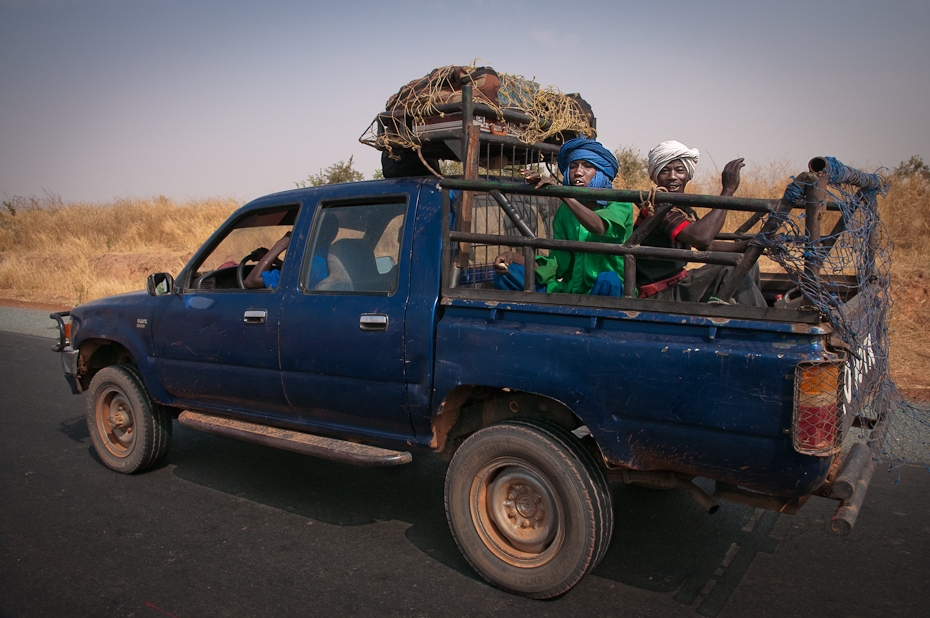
point(130, 432)
point(528, 507)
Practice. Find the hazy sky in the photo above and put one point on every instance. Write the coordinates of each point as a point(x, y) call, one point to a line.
point(200, 98)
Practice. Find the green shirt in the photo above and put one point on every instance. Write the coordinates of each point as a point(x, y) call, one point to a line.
point(568, 272)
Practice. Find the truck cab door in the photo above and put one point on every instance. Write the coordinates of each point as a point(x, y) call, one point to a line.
point(342, 336)
point(215, 342)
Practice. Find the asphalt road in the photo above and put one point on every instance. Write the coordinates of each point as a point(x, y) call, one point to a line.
point(225, 528)
point(28, 322)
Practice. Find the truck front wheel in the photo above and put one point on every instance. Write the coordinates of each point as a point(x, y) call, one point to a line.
point(130, 432)
point(528, 507)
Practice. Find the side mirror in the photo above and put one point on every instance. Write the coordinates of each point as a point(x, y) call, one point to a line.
point(159, 284)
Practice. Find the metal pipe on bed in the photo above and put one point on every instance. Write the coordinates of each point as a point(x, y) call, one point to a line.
point(529, 254)
point(843, 174)
point(764, 206)
point(512, 214)
point(868, 185)
point(751, 221)
point(601, 248)
point(754, 252)
point(814, 203)
point(629, 261)
point(629, 276)
point(647, 226)
point(529, 269)
point(470, 169)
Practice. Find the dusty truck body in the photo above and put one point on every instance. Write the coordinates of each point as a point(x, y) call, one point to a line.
point(538, 400)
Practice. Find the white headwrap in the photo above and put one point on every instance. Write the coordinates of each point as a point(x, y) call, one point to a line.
point(666, 152)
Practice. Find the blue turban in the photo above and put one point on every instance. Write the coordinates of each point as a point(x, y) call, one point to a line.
point(585, 149)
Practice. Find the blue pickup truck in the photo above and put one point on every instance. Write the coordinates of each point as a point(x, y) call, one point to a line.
point(384, 338)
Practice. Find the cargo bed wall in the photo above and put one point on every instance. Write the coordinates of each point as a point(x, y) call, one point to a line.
point(656, 393)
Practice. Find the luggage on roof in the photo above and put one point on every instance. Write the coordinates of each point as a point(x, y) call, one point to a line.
point(427, 114)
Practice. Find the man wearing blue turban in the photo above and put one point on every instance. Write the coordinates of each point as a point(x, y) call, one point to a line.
point(584, 149)
point(584, 163)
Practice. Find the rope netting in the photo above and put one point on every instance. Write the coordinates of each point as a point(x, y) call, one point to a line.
point(553, 112)
point(414, 108)
point(846, 275)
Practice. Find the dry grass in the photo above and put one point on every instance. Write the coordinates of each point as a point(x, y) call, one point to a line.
point(906, 213)
point(70, 253)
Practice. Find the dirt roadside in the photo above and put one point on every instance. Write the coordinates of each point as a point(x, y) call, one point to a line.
point(25, 304)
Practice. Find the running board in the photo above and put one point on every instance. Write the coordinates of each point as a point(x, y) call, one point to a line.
point(297, 441)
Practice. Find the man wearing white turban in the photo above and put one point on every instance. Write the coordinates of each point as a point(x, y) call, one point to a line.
point(671, 167)
point(669, 151)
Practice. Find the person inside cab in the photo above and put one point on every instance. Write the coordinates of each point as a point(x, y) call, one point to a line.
point(267, 273)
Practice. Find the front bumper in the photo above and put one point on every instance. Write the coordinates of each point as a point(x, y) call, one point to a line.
point(69, 356)
point(69, 364)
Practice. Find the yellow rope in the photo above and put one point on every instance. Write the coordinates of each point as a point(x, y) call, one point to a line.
point(648, 207)
point(552, 112)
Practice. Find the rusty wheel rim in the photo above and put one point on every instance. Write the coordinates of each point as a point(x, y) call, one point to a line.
point(517, 513)
point(113, 415)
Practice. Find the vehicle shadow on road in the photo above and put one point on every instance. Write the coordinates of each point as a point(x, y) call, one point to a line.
point(663, 542)
point(324, 491)
point(75, 428)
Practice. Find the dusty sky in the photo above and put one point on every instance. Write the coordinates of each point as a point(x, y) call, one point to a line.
point(136, 98)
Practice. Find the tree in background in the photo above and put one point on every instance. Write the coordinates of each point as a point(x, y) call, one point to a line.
point(906, 214)
point(631, 173)
point(335, 173)
point(913, 170)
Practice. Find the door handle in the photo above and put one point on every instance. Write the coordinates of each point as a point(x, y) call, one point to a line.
point(373, 321)
point(255, 316)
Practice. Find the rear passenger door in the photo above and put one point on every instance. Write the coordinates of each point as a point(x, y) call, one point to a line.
point(342, 335)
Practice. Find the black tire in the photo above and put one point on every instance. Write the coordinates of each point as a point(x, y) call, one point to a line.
point(528, 507)
point(130, 432)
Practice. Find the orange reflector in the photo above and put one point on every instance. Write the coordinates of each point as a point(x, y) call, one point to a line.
point(823, 378)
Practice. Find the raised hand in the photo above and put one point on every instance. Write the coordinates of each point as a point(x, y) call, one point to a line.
point(730, 176)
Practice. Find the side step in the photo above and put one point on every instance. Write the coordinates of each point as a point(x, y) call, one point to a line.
point(297, 441)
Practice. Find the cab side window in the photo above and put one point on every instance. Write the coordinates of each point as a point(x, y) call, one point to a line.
point(355, 248)
point(227, 265)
